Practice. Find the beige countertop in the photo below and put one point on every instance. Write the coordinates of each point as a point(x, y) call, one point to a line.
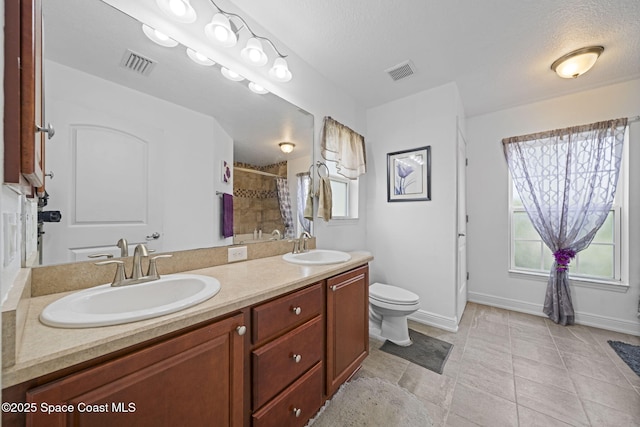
point(44, 349)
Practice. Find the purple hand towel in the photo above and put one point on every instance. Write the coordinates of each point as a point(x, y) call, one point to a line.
point(227, 215)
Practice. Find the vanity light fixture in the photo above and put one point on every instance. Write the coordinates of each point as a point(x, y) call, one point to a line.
point(231, 75)
point(223, 31)
point(199, 58)
point(576, 63)
point(158, 37)
point(178, 10)
point(280, 71)
point(256, 88)
point(253, 53)
point(286, 147)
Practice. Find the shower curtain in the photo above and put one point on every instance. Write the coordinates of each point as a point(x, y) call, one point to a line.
point(284, 200)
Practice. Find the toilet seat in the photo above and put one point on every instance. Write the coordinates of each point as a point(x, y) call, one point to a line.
point(392, 295)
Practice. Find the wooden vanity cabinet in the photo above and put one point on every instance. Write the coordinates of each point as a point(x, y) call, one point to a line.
point(297, 351)
point(195, 379)
point(287, 358)
point(347, 325)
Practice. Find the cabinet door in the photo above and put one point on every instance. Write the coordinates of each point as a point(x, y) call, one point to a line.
point(347, 325)
point(23, 146)
point(193, 380)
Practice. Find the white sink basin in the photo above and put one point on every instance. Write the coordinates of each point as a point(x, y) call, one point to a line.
point(317, 257)
point(106, 305)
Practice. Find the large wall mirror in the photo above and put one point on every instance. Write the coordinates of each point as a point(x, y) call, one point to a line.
point(144, 137)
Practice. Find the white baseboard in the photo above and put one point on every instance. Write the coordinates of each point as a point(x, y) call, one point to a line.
point(431, 319)
point(587, 319)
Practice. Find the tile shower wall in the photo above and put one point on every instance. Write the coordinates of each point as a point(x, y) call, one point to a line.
point(255, 202)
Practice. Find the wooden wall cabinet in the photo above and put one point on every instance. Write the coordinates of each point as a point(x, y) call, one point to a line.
point(347, 325)
point(24, 146)
point(195, 379)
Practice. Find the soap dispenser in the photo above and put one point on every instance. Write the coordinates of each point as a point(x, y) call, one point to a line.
point(255, 234)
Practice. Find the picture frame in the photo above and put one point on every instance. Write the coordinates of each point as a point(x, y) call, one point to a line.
point(226, 172)
point(409, 175)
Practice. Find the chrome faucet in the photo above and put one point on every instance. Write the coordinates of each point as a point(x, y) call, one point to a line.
point(124, 250)
point(140, 252)
point(275, 235)
point(300, 244)
point(124, 247)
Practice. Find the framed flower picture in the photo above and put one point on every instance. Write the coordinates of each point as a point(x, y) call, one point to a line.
point(226, 172)
point(409, 175)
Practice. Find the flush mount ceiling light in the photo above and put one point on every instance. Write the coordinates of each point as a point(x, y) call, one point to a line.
point(231, 75)
point(256, 88)
point(178, 10)
point(199, 58)
point(576, 63)
point(158, 37)
point(286, 147)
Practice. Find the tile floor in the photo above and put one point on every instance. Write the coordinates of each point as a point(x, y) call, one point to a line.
point(513, 369)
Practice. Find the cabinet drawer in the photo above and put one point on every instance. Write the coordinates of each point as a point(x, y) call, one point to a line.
point(285, 313)
point(279, 363)
point(296, 405)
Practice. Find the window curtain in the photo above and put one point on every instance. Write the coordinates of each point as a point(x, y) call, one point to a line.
point(566, 179)
point(345, 147)
point(304, 182)
point(284, 200)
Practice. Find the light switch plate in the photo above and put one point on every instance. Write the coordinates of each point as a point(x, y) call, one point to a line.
point(237, 253)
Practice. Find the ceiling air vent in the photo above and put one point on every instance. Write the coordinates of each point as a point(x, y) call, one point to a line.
point(137, 63)
point(401, 71)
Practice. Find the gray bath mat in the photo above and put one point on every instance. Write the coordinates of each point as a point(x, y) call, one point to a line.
point(372, 402)
point(629, 353)
point(426, 351)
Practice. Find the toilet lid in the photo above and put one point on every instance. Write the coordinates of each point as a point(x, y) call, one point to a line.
point(393, 294)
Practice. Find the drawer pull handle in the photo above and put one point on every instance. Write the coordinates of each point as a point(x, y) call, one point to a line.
point(241, 330)
point(297, 412)
point(296, 310)
point(297, 358)
point(333, 288)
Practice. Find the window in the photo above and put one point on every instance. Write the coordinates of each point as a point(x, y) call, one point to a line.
point(344, 193)
point(603, 261)
point(340, 197)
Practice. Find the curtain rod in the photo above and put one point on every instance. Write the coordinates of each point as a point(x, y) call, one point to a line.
point(258, 172)
point(633, 119)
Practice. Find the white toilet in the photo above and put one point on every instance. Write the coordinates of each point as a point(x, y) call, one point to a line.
point(389, 307)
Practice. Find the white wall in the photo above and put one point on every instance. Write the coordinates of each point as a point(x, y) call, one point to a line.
point(488, 205)
point(414, 242)
point(192, 147)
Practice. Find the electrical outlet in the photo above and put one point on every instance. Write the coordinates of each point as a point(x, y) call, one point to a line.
point(237, 253)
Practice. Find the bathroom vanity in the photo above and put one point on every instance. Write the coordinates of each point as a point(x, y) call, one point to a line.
point(269, 350)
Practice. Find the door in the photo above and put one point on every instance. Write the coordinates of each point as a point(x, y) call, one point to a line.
point(107, 183)
point(461, 205)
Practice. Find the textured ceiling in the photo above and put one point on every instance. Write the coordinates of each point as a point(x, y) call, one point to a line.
point(497, 51)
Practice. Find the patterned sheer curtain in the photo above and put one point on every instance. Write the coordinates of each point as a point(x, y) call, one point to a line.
point(284, 200)
point(567, 181)
point(304, 182)
point(345, 147)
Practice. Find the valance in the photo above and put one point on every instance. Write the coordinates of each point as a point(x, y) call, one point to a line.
point(345, 147)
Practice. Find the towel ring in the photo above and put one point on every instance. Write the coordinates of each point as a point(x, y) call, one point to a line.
point(319, 163)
